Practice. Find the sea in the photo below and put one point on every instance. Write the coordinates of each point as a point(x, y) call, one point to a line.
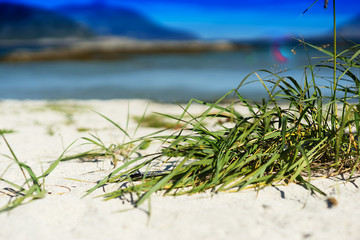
point(174, 78)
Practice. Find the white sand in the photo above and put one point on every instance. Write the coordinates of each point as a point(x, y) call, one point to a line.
point(42, 133)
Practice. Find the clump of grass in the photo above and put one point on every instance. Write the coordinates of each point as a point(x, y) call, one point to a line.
point(295, 134)
point(83, 129)
point(67, 109)
point(31, 189)
point(116, 152)
point(157, 121)
point(50, 130)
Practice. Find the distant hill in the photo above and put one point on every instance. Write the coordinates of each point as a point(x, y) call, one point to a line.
point(351, 29)
point(26, 22)
point(347, 33)
point(106, 20)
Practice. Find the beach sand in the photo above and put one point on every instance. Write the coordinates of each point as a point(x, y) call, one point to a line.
point(43, 130)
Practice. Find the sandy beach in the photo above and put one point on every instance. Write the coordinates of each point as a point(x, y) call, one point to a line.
point(39, 131)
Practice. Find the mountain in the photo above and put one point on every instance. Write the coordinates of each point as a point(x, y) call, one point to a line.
point(351, 29)
point(106, 20)
point(26, 22)
point(347, 33)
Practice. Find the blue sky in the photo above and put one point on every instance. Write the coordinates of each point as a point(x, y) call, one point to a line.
point(235, 19)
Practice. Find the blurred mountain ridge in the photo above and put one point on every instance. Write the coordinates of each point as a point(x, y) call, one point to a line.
point(23, 22)
point(108, 20)
point(351, 29)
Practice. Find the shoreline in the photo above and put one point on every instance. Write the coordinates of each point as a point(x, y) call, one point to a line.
point(108, 48)
point(43, 129)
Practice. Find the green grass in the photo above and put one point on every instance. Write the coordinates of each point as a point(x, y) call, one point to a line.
point(296, 132)
point(6, 131)
point(83, 129)
point(32, 188)
point(157, 121)
point(284, 140)
point(67, 109)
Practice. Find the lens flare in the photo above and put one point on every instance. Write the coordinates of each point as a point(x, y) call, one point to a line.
point(278, 55)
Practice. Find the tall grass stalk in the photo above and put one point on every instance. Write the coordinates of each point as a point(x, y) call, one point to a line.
point(335, 81)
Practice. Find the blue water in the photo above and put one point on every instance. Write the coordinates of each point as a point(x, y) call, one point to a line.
point(163, 77)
